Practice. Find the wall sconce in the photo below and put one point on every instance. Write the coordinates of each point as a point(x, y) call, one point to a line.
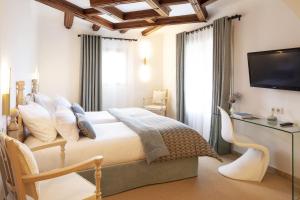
point(145, 54)
point(145, 71)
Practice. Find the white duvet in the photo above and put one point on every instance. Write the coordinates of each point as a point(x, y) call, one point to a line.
point(100, 117)
point(115, 142)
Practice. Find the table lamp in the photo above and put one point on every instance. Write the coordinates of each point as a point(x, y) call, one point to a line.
point(5, 96)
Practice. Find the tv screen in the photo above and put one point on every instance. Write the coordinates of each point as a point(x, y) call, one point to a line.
point(277, 69)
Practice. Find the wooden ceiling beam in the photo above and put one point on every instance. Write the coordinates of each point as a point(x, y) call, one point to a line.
point(161, 10)
point(150, 30)
point(96, 27)
point(199, 9)
point(92, 12)
point(160, 21)
point(68, 20)
point(66, 6)
point(104, 3)
point(172, 2)
point(113, 12)
point(141, 14)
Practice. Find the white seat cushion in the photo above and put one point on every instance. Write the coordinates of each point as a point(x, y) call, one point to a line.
point(155, 107)
point(71, 186)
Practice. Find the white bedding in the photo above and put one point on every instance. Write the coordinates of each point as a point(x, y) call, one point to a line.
point(100, 117)
point(115, 142)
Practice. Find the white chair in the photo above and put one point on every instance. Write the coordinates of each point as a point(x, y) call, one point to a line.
point(157, 103)
point(252, 165)
point(23, 181)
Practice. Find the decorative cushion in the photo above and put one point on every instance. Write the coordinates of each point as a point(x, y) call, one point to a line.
point(62, 102)
point(65, 123)
point(85, 126)
point(76, 108)
point(38, 121)
point(46, 102)
point(27, 163)
point(159, 96)
point(155, 107)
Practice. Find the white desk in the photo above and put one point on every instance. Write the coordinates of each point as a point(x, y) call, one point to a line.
point(294, 131)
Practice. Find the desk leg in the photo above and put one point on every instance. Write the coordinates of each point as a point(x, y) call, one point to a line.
point(293, 170)
point(295, 167)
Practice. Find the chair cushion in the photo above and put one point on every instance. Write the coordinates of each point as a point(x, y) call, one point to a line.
point(62, 188)
point(155, 107)
point(159, 96)
point(38, 121)
point(27, 163)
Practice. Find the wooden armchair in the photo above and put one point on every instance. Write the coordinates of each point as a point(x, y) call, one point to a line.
point(157, 103)
point(23, 181)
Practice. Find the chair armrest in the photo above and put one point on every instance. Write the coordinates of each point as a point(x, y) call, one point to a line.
point(88, 164)
point(60, 142)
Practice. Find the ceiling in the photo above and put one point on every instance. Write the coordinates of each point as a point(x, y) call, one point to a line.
point(123, 15)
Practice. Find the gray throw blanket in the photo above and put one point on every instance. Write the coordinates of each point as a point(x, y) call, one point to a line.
point(163, 138)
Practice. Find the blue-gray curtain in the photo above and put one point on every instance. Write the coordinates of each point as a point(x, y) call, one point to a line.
point(221, 81)
point(91, 81)
point(180, 46)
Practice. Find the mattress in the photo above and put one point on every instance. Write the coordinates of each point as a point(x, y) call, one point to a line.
point(114, 141)
point(100, 117)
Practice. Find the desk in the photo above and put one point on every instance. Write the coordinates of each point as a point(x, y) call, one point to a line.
point(293, 131)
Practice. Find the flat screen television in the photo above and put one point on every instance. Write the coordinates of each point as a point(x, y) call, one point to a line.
point(277, 69)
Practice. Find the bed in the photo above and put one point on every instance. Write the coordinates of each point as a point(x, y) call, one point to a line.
point(121, 142)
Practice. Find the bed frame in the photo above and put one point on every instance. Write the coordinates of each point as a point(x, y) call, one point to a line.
point(117, 178)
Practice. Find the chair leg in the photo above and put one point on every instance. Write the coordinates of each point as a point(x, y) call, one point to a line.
point(251, 166)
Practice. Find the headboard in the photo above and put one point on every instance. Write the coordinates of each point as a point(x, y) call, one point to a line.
point(15, 128)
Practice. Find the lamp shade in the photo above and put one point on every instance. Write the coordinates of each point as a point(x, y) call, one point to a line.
point(5, 104)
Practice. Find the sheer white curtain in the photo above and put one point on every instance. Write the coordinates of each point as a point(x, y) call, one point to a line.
point(119, 58)
point(198, 72)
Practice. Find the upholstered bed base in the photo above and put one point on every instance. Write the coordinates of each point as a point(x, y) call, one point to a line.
point(123, 177)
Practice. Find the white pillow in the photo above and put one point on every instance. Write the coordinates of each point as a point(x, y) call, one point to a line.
point(65, 123)
point(38, 121)
point(159, 96)
point(62, 102)
point(46, 102)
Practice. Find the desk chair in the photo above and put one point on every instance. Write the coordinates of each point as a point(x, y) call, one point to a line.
point(252, 165)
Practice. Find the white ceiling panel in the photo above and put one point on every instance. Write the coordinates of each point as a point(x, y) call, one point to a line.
point(109, 18)
point(133, 6)
point(81, 3)
point(181, 9)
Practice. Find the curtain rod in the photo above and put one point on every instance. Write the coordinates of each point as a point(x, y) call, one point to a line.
point(113, 38)
point(211, 25)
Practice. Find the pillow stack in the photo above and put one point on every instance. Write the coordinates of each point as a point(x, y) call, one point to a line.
point(45, 117)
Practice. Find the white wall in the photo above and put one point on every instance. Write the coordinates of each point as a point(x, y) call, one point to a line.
point(265, 25)
point(18, 44)
point(59, 55)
